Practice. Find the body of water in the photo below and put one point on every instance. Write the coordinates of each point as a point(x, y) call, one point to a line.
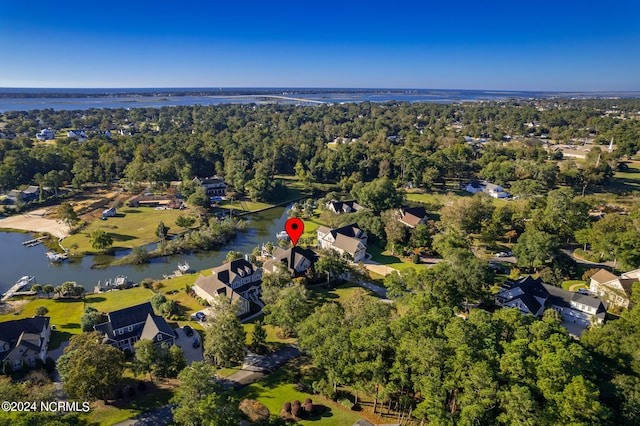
point(15, 99)
point(17, 260)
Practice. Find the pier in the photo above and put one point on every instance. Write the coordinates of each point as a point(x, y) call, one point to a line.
point(34, 242)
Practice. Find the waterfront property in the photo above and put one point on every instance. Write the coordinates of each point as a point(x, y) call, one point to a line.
point(45, 135)
point(348, 239)
point(297, 260)
point(24, 341)
point(167, 201)
point(339, 207)
point(238, 280)
point(214, 186)
point(126, 326)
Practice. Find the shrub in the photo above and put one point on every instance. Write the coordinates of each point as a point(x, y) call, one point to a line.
point(296, 411)
point(308, 401)
point(416, 258)
point(346, 403)
point(308, 408)
point(254, 410)
point(296, 403)
point(287, 407)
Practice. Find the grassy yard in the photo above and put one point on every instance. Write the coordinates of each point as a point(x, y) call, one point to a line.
point(385, 257)
point(278, 388)
point(133, 227)
point(578, 283)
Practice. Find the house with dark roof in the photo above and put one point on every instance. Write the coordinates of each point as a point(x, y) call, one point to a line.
point(238, 280)
point(350, 206)
point(296, 259)
point(533, 296)
point(214, 186)
point(24, 341)
point(616, 290)
point(412, 216)
point(350, 239)
point(126, 326)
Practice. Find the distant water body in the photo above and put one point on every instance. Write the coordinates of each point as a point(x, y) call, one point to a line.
point(25, 99)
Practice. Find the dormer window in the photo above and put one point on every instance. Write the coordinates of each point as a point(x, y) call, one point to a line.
point(159, 336)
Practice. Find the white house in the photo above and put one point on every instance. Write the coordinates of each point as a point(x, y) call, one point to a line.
point(214, 186)
point(491, 189)
point(347, 239)
point(45, 135)
point(24, 341)
point(340, 207)
point(77, 134)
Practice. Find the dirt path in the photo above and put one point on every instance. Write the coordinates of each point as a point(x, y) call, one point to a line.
point(35, 221)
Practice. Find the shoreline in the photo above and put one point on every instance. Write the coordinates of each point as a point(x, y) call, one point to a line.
point(34, 221)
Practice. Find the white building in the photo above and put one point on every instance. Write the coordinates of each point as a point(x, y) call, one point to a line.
point(491, 189)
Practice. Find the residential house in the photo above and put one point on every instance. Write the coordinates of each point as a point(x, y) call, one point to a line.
point(491, 189)
point(26, 195)
point(77, 134)
point(532, 296)
point(214, 186)
point(340, 207)
point(296, 259)
point(238, 280)
point(412, 216)
point(24, 341)
point(45, 135)
point(616, 290)
point(126, 326)
point(347, 239)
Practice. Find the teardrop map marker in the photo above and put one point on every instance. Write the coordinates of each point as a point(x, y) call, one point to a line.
point(294, 228)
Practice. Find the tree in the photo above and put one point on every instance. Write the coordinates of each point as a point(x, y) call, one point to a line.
point(90, 369)
point(67, 215)
point(157, 300)
point(100, 240)
point(146, 357)
point(332, 264)
point(162, 231)
point(89, 318)
point(184, 221)
point(291, 307)
point(258, 338)
point(395, 230)
point(41, 311)
point(468, 213)
point(48, 289)
point(379, 195)
point(225, 338)
point(534, 248)
point(200, 400)
point(199, 198)
point(37, 288)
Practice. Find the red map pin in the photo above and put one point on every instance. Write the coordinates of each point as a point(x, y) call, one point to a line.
point(294, 228)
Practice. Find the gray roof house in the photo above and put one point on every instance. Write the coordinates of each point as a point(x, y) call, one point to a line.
point(24, 340)
point(533, 296)
point(350, 206)
point(616, 290)
point(349, 239)
point(126, 326)
point(296, 259)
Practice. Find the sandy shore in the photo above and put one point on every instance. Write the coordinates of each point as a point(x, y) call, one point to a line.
point(36, 221)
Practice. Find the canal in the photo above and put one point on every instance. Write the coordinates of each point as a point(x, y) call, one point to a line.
point(16, 260)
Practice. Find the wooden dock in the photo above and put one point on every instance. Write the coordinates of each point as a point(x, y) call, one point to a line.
point(34, 242)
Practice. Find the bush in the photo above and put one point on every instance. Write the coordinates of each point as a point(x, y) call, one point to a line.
point(287, 407)
point(254, 410)
point(296, 411)
point(308, 408)
point(308, 401)
point(296, 403)
point(346, 403)
point(416, 258)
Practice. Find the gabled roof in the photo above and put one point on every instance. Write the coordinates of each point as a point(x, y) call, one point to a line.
point(129, 316)
point(352, 230)
point(603, 276)
point(229, 271)
point(561, 297)
point(213, 286)
point(292, 258)
point(348, 244)
point(155, 325)
point(10, 331)
point(349, 206)
point(412, 216)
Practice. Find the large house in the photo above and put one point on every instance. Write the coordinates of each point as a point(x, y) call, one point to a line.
point(238, 280)
point(532, 296)
point(491, 189)
point(296, 259)
point(613, 289)
point(24, 341)
point(126, 326)
point(77, 134)
point(412, 216)
point(340, 207)
point(347, 239)
point(45, 135)
point(214, 186)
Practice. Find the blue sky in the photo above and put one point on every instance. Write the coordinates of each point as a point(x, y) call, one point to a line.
point(502, 45)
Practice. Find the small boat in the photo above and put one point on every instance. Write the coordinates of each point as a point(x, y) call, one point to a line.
point(282, 235)
point(184, 267)
point(20, 285)
point(56, 257)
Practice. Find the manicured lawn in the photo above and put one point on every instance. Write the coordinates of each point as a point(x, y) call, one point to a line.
point(569, 283)
point(385, 257)
point(278, 388)
point(340, 294)
point(133, 227)
point(108, 415)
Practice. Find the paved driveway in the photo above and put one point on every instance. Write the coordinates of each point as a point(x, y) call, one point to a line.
point(186, 343)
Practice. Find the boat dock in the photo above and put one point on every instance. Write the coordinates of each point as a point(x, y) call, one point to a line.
point(34, 242)
point(16, 289)
point(56, 257)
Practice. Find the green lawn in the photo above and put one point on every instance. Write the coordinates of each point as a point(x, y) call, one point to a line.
point(133, 227)
point(107, 415)
point(569, 283)
point(278, 388)
point(385, 257)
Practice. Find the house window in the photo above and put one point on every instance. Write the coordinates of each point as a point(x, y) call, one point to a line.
point(159, 336)
point(130, 328)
